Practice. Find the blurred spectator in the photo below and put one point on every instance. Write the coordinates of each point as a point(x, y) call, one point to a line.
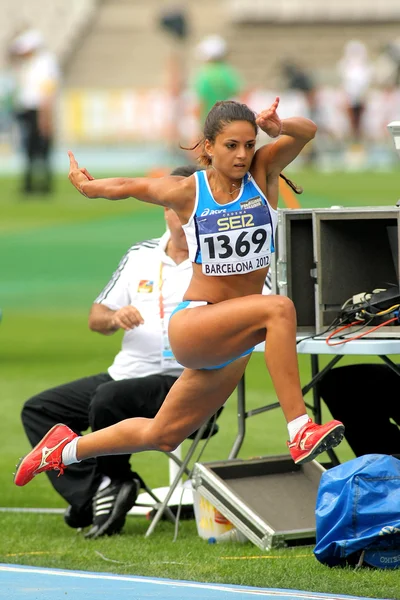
point(36, 79)
point(174, 21)
point(216, 79)
point(298, 79)
point(6, 105)
point(387, 66)
point(355, 72)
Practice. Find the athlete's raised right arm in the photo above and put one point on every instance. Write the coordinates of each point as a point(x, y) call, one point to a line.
point(171, 191)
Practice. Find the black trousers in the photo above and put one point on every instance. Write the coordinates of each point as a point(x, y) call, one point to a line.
point(96, 402)
point(37, 150)
point(366, 399)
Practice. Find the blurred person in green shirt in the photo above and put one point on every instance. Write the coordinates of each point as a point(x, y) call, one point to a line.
point(216, 79)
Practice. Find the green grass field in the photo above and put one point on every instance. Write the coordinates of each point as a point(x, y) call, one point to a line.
point(56, 255)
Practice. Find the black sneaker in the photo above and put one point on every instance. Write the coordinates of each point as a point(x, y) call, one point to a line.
point(110, 507)
point(78, 519)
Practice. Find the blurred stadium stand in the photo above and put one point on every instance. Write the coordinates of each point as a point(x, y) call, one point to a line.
point(313, 10)
point(312, 31)
point(119, 43)
point(60, 22)
point(115, 58)
point(129, 48)
point(125, 44)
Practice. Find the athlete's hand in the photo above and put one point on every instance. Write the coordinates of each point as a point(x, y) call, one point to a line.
point(127, 318)
point(76, 175)
point(269, 121)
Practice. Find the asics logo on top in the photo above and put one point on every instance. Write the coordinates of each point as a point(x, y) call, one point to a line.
point(209, 211)
point(46, 453)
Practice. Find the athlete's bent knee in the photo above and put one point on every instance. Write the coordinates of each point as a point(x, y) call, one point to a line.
point(280, 307)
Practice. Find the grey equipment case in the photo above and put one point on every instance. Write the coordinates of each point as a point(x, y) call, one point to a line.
point(326, 256)
point(293, 267)
point(269, 499)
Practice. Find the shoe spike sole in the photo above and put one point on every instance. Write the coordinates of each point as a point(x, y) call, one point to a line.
point(331, 440)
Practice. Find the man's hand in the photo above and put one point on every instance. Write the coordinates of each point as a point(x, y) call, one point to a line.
point(76, 175)
point(126, 318)
point(269, 121)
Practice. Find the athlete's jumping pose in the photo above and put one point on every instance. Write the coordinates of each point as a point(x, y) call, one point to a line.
point(229, 214)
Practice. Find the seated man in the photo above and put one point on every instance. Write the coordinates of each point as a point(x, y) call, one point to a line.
point(364, 398)
point(146, 287)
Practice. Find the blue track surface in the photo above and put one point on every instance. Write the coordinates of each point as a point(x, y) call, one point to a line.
point(30, 583)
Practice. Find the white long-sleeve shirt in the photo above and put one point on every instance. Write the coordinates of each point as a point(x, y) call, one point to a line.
point(137, 282)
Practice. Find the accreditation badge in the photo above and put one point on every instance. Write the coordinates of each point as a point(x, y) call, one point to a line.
point(168, 360)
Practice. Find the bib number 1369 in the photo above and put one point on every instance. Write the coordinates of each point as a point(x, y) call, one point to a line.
point(223, 246)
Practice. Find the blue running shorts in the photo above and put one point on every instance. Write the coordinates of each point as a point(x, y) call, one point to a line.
point(194, 304)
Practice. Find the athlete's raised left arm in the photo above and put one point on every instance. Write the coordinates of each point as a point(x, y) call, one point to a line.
point(293, 133)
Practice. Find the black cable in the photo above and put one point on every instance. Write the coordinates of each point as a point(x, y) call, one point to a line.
point(336, 321)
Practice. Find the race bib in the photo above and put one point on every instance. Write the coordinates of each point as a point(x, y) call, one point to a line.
point(237, 242)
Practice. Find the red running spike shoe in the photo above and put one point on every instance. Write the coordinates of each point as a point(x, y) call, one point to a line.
point(312, 439)
point(45, 456)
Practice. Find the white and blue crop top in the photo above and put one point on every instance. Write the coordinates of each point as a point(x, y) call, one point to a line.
point(233, 238)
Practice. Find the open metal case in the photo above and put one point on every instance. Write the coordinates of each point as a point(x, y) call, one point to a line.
point(269, 499)
point(293, 267)
point(355, 250)
point(326, 256)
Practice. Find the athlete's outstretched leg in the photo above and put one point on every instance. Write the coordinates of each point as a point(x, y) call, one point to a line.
point(192, 400)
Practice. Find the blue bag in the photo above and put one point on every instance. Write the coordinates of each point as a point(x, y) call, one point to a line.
point(358, 513)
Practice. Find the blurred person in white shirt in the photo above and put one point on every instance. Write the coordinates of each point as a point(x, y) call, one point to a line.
point(355, 72)
point(36, 77)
